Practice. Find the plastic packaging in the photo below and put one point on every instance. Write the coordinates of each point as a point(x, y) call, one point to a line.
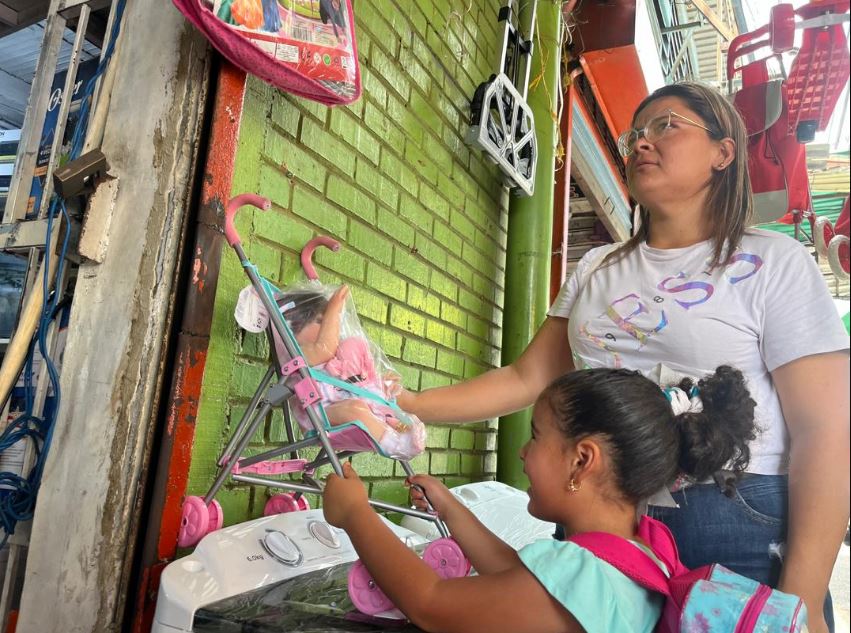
point(357, 382)
point(305, 47)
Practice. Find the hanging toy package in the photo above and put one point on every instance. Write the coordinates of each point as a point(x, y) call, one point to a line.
point(356, 380)
point(305, 47)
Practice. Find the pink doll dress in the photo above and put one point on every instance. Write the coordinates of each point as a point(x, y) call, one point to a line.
point(404, 437)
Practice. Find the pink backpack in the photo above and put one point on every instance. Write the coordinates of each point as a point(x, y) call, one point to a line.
point(710, 599)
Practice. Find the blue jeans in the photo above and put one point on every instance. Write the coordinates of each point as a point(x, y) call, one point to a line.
point(745, 532)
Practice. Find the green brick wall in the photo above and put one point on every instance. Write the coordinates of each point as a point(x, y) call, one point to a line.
point(422, 219)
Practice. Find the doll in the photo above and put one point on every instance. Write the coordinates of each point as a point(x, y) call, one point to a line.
point(315, 322)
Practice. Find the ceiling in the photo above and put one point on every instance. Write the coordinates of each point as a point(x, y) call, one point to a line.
point(22, 28)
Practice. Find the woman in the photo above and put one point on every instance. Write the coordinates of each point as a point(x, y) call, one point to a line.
point(694, 289)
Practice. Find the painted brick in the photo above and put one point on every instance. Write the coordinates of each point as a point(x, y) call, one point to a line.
point(423, 301)
point(485, 442)
point(285, 116)
point(398, 112)
point(373, 465)
point(255, 346)
point(410, 266)
point(447, 238)
point(371, 243)
point(303, 167)
point(421, 163)
point(445, 463)
point(443, 285)
point(315, 209)
point(313, 135)
point(450, 362)
point(433, 201)
point(419, 353)
point(351, 198)
point(415, 213)
point(282, 229)
point(384, 281)
point(440, 333)
point(407, 320)
point(462, 439)
point(349, 264)
point(245, 378)
point(437, 436)
point(430, 380)
point(392, 225)
point(472, 464)
point(370, 305)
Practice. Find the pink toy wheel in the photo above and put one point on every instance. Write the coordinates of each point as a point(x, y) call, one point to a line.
point(217, 517)
point(823, 232)
point(194, 522)
point(285, 502)
point(445, 557)
point(365, 594)
point(781, 28)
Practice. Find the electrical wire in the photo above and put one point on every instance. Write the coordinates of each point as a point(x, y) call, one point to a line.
point(18, 493)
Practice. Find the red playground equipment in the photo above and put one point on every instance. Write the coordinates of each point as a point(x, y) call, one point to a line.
point(782, 114)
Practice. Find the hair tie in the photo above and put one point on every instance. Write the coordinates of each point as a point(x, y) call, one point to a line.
point(681, 402)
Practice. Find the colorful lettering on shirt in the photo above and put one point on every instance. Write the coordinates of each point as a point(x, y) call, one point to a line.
point(626, 311)
point(625, 321)
point(706, 289)
point(750, 258)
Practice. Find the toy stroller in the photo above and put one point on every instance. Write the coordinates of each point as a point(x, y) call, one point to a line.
point(347, 376)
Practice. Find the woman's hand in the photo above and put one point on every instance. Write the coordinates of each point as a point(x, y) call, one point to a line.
point(343, 497)
point(442, 501)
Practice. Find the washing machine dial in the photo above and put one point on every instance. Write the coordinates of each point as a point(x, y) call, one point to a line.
point(280, 547)
point(324, 533)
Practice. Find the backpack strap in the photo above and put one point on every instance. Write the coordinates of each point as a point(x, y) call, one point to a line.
point(630, 560)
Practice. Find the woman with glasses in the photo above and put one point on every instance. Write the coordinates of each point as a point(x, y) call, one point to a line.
point(693, 289)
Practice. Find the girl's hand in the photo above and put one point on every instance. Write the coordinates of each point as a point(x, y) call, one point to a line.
point(442, 501)
point(343, 497)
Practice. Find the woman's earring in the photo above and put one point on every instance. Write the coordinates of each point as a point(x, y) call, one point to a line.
point(573, 486)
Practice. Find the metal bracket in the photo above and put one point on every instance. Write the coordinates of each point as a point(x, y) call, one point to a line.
point(501, 123)
point(80, 176)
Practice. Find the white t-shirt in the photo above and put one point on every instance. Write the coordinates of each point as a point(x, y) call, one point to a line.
point(768, 307)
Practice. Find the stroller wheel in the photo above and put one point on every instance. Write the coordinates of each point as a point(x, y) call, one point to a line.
point(365, 594)
point(445, 557)
point(823, 233)
point(198, 520)
point(217, 517)
point(285, 502)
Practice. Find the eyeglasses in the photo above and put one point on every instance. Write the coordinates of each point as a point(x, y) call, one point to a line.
point(653, 131)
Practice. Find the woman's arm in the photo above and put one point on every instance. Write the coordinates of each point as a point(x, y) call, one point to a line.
point(499, 391)
point(509, 602)
point(814, 395)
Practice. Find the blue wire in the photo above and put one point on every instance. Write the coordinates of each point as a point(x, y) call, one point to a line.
point(17, 493)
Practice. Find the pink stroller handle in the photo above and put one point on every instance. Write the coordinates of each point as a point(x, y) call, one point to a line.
point(307, 253)
point(233, 206)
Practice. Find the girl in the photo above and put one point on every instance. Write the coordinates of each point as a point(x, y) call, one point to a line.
point(693, 289)
point(602, 441)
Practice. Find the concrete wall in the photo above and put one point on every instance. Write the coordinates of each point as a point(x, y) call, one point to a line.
point(421, 216)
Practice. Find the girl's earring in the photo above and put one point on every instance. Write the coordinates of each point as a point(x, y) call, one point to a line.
point(573, 486)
